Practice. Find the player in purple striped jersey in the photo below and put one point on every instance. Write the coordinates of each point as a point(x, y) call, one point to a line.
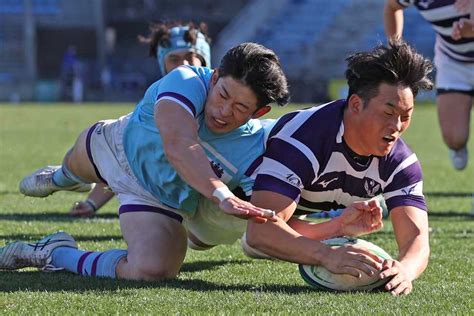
point(344, 151)
point(454, 60)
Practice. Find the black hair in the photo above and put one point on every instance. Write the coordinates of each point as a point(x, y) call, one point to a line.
point(259, 68)
point(160, 35)
point(395, 64)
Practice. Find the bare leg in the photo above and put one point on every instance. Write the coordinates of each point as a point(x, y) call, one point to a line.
point(454, 113)
point(156, 246)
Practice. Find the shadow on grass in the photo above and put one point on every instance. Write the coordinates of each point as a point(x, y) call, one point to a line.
point(5, 192)
point(463, 215)
point(51, 216)
point(36, 237)
point(13, 281)
point(449, 194)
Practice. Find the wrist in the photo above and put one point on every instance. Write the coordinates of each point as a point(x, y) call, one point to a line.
point(321, 252)
point(337, 226)
point(222, 193)
point(91, 204)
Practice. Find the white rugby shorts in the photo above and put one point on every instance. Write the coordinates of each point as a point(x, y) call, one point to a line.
point(452, 75)
point(105, 150)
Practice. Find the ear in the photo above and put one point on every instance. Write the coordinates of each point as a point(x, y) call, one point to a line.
point(355, 103)
point(215, 76)
point(261, 111)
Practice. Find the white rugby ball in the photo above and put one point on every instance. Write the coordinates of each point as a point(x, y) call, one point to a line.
point(321, 278)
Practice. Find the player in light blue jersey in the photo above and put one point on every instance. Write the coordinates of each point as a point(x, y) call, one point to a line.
point(349, 150)
point(155, 160)
point(173, 45)
point(454, 61)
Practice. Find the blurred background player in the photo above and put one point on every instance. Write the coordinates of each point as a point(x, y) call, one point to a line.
point(454, 61)
point(172, 44)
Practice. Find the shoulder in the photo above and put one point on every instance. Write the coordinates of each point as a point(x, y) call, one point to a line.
point(308, 123)
point(312, 131)
point(185, 73)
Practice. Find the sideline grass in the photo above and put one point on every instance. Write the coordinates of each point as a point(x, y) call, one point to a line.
point(222, 280)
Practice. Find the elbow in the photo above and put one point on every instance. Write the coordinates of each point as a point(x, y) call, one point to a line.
point(172, 148)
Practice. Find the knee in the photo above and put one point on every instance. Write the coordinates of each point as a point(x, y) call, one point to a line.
point(156, 271)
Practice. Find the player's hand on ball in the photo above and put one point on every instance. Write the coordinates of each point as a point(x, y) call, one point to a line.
point(351, 260)
point(242, 209)
point(401, 283)
point(361, 218)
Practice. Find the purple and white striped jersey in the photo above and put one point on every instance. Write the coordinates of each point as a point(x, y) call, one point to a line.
point(307, 160)
point(441, 14)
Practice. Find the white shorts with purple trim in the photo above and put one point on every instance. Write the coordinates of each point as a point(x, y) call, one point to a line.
point(105, 149)
point(452, 75)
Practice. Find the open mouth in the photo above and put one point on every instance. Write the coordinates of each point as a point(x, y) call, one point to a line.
point(389, 138)
point(220, 122)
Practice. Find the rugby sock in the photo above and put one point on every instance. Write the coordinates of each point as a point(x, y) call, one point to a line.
point(63, 177)
point(88, 263)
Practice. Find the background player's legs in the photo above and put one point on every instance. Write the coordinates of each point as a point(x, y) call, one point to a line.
point(454, 112)
point(156, 246)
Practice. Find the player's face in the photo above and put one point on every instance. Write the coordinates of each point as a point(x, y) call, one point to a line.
point(229, 104)
point(385, 118)
point(176, 59)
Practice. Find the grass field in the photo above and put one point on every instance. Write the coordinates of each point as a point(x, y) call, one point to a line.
point(222, 280)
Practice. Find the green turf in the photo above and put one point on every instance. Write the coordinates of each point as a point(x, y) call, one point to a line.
point(222, 280)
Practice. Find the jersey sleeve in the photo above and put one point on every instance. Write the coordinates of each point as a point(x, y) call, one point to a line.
point(246, 183)
point(285, 169)
point(184, 87)
point(405, 186)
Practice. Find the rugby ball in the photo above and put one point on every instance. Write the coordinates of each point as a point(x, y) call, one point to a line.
point(321, 278)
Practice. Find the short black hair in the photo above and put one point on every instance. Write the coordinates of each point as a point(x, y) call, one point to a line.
point(395, 64)
point(259, 68)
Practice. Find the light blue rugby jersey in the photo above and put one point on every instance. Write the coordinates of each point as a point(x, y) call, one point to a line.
point(229, 154)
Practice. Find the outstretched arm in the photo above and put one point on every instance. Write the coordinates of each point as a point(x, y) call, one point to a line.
point(410, 226)
point(357, 219)
point(393, 19)
point(279, 240)
point(179, 133)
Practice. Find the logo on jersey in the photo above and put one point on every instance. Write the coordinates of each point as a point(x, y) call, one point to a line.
point(409, 190)
point(218, 170)
point(294, 180)
point(425, 4)
point(371, 187)
point(324, 184)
